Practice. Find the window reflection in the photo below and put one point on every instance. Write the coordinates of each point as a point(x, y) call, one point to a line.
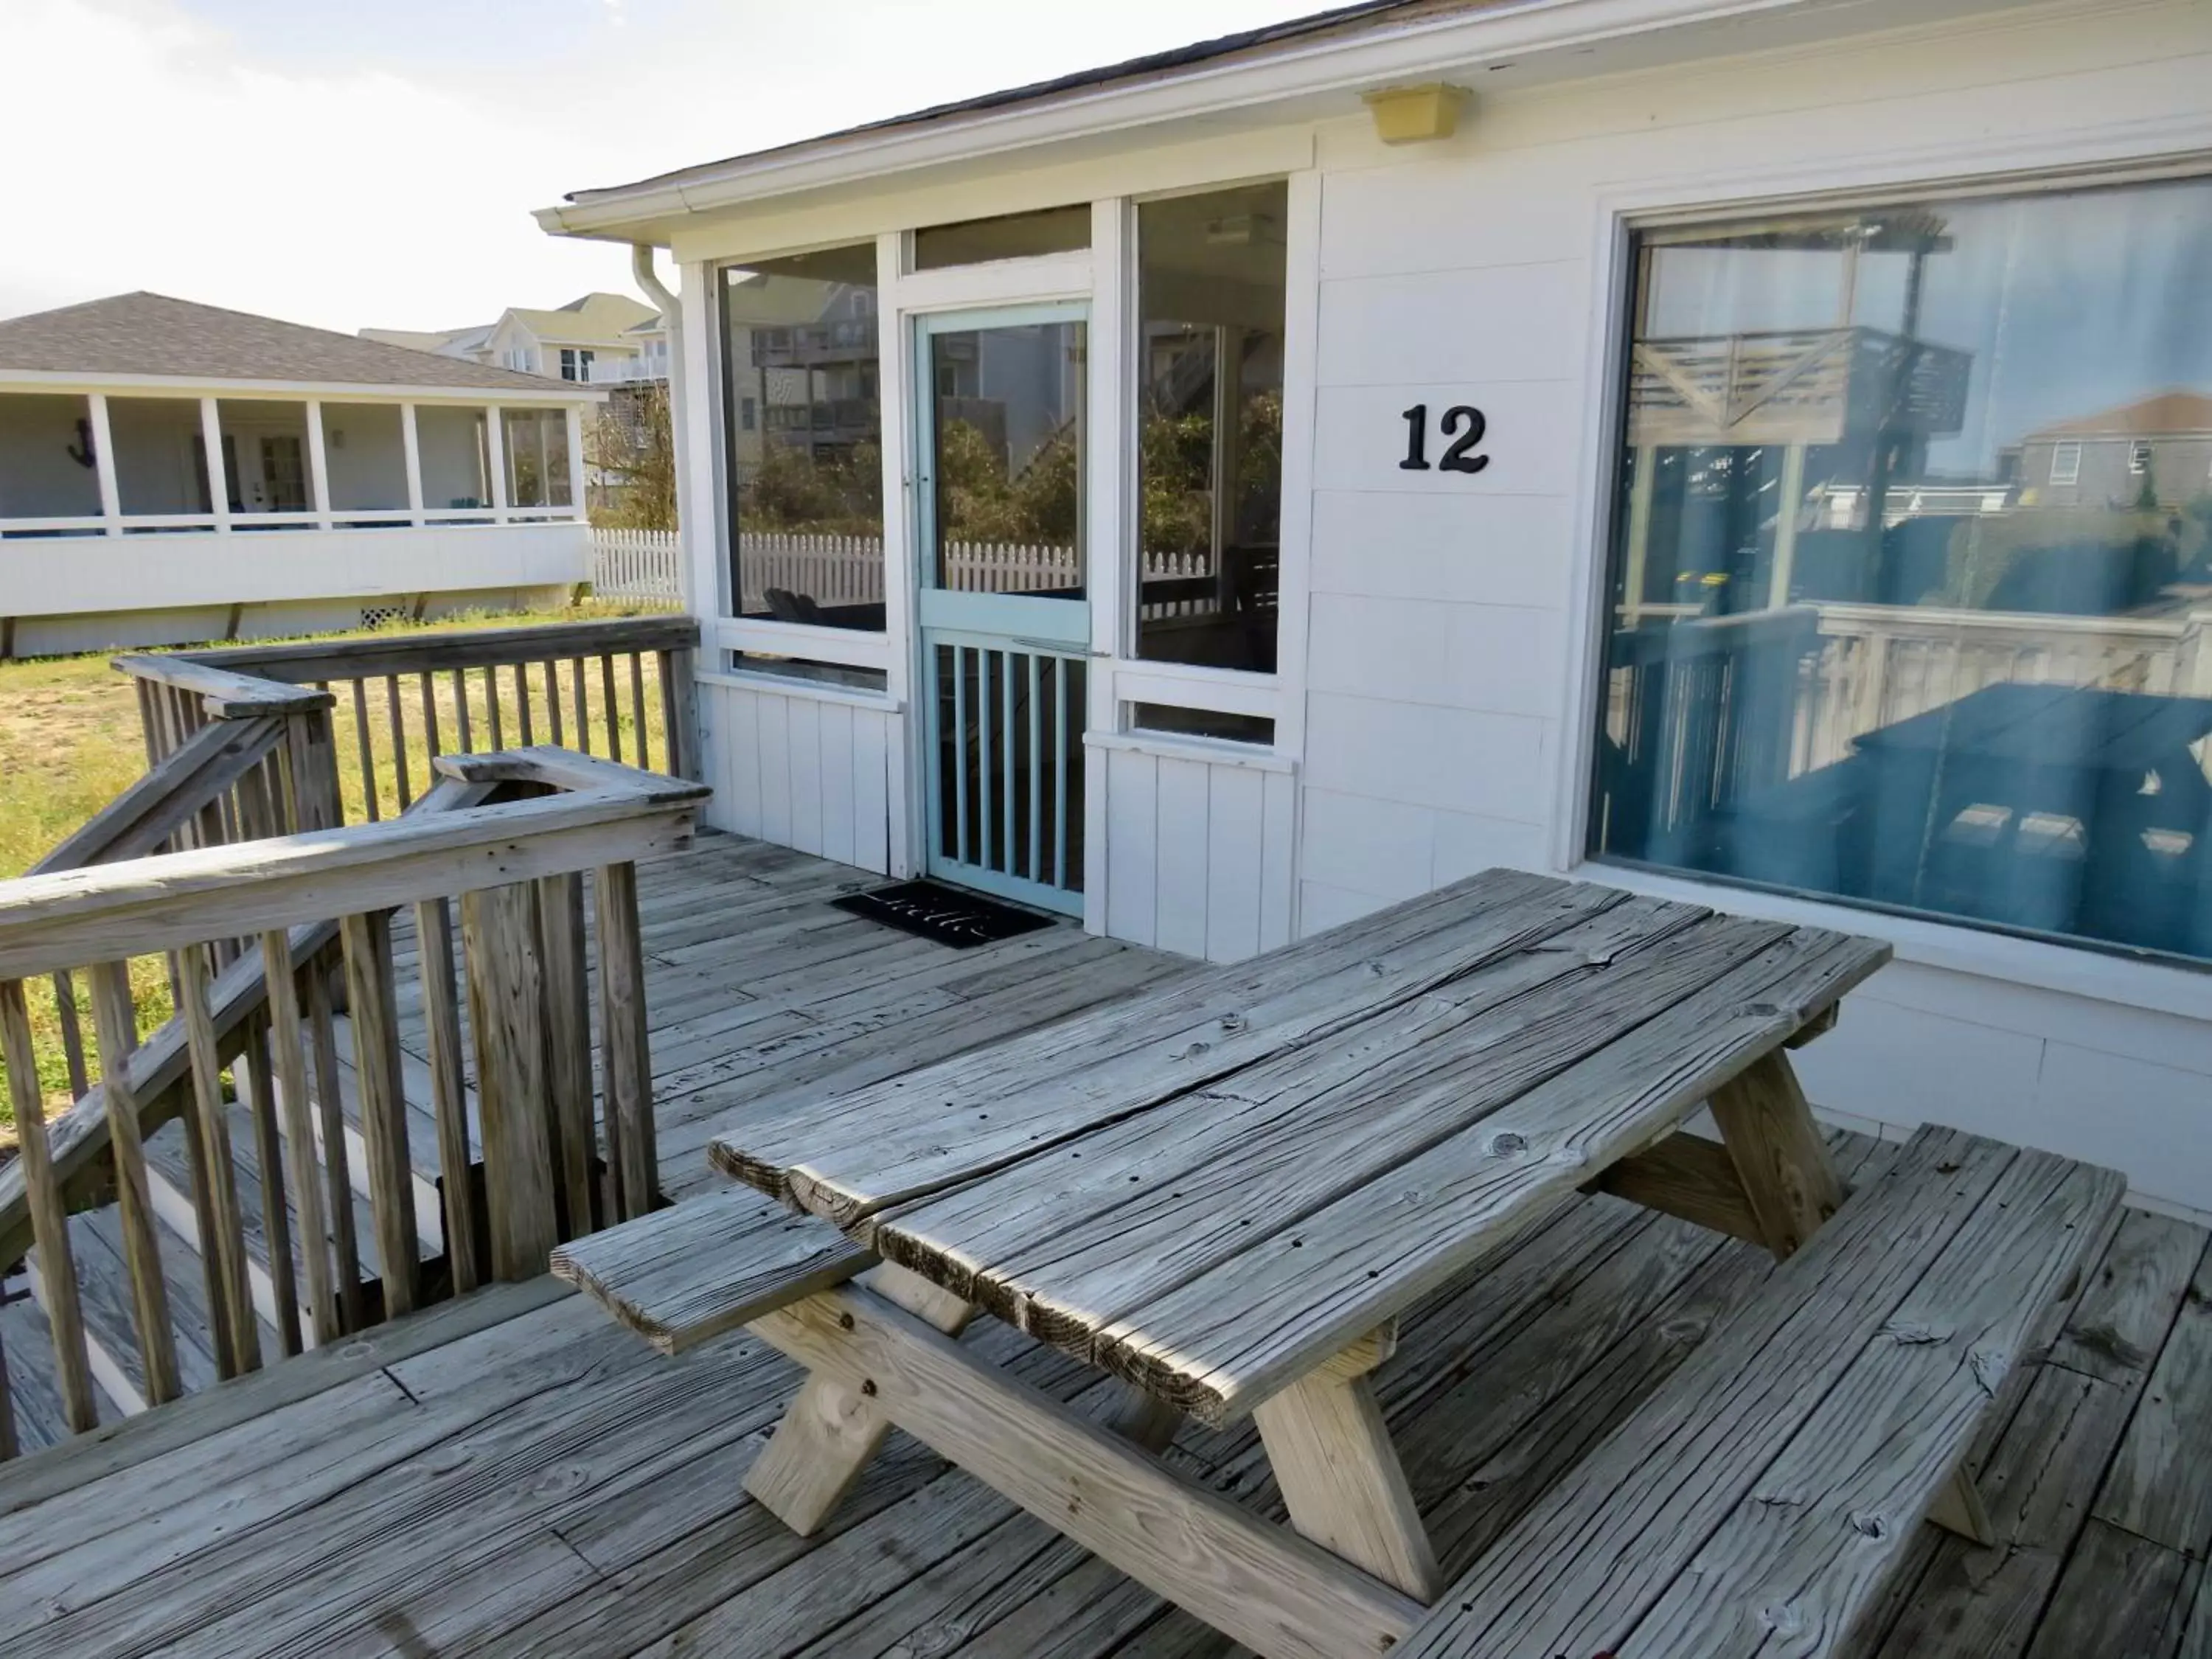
point(1912, 574)
point(803, 424)
point(1211, 280)
point(1009, 458)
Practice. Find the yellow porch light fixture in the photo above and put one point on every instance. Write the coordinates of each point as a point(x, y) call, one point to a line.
point(1412, 115)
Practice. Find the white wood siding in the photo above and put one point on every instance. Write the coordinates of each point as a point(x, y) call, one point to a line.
point(1450, 614)
point(824, 776)
point(1198, 853)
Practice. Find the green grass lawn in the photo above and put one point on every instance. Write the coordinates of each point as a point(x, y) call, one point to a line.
point(70, 743)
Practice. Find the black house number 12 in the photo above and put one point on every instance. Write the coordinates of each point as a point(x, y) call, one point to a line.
point(1464, 423)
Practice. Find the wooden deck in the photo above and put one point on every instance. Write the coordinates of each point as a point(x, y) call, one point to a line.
point(514, 1474)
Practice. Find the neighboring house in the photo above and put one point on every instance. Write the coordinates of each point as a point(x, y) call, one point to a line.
point(601, 338)
point(1286, 475)
point(2161, 444)
point(172, 471)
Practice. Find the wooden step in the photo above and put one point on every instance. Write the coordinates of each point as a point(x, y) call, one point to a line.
point(35, 1388)
point(1776, 1481)
point(707, 1265)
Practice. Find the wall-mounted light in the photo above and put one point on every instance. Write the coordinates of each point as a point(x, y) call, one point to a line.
point(1414, 115)
point(81, 451)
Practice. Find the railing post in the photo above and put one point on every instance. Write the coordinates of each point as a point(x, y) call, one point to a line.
point(632, 1156)
point(116, 1024)
point(680, 693)
point(49, 1216)
point(499, 944)
point(223, 1238)
point(567, 1026)
point(367, 939)
point(289, 1056)
point(311, 766)
point(441, 1021)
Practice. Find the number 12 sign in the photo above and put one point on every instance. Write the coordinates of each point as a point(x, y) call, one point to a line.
point(1462, 423)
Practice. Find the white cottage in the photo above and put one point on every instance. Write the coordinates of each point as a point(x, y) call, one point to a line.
point(172, 471)
point(1661, 440)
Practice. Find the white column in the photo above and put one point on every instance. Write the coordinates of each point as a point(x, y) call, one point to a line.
point(706, 532)
point(495, 462)
point(318, 465)
point(577, 493)
point(1114, 573)
point(103, 464)
point(411, 441)
point(211, 440)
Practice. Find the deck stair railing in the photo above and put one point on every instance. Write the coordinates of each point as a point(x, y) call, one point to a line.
point(269, 1099)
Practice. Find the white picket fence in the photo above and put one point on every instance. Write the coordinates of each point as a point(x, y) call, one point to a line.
point(637, 564)
point(833, 570)
point(849, 569)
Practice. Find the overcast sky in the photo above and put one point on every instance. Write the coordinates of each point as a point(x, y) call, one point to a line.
point(351, 162)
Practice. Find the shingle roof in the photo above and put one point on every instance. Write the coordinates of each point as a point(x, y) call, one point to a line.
point(2160, 415)
point(152, 334)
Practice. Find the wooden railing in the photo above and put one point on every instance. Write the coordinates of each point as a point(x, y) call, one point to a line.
point(1810, 386)
point(621, 688)
point(1877, 665)
point(255, 931)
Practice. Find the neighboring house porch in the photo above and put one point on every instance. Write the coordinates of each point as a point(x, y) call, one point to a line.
point(373, 479)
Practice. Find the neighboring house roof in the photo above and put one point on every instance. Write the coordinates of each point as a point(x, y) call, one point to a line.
point(151, 334)
point(414, 339)
point(1348, 20)
point(596, 319)
point(2163, 415)
point(450, 341)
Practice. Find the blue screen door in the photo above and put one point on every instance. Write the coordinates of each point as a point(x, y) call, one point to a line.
point(1004, 624)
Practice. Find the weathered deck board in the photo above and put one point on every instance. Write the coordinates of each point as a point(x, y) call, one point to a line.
point(515, 1475)
point(548, 1484)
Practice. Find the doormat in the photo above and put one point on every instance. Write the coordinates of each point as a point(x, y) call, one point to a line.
point(929, 910)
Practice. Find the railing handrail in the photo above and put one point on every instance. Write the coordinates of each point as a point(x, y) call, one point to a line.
point(1916, 618)
point(225, 693)
point(375, 656)
point(65, 919)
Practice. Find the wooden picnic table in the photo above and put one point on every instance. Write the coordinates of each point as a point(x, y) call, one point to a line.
point(1224, 1191)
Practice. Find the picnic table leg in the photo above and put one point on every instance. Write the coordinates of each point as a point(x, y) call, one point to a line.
point(1339, 1475)
point(1145, 1420)
point(1790, 1182)
point(1778, 1151)
point(830, 1431)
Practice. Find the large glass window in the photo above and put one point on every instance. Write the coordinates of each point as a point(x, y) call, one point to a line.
point(1912, 562)
point(1210, 289)
point(802, 428)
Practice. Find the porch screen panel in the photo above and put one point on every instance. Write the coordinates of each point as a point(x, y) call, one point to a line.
point(802, 427)
point(1211, 278)
point(365, 446)
point(536, 442)
point(1911, 565)
point(48, 462)
point(263, 457)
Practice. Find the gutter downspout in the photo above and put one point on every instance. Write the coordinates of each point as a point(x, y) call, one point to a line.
point(671, 319)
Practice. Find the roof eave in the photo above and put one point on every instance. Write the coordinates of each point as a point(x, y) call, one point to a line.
point(1513, 29)
point(561, 391)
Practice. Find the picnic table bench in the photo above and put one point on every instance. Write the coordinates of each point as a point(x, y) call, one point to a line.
point(1225, 1191)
